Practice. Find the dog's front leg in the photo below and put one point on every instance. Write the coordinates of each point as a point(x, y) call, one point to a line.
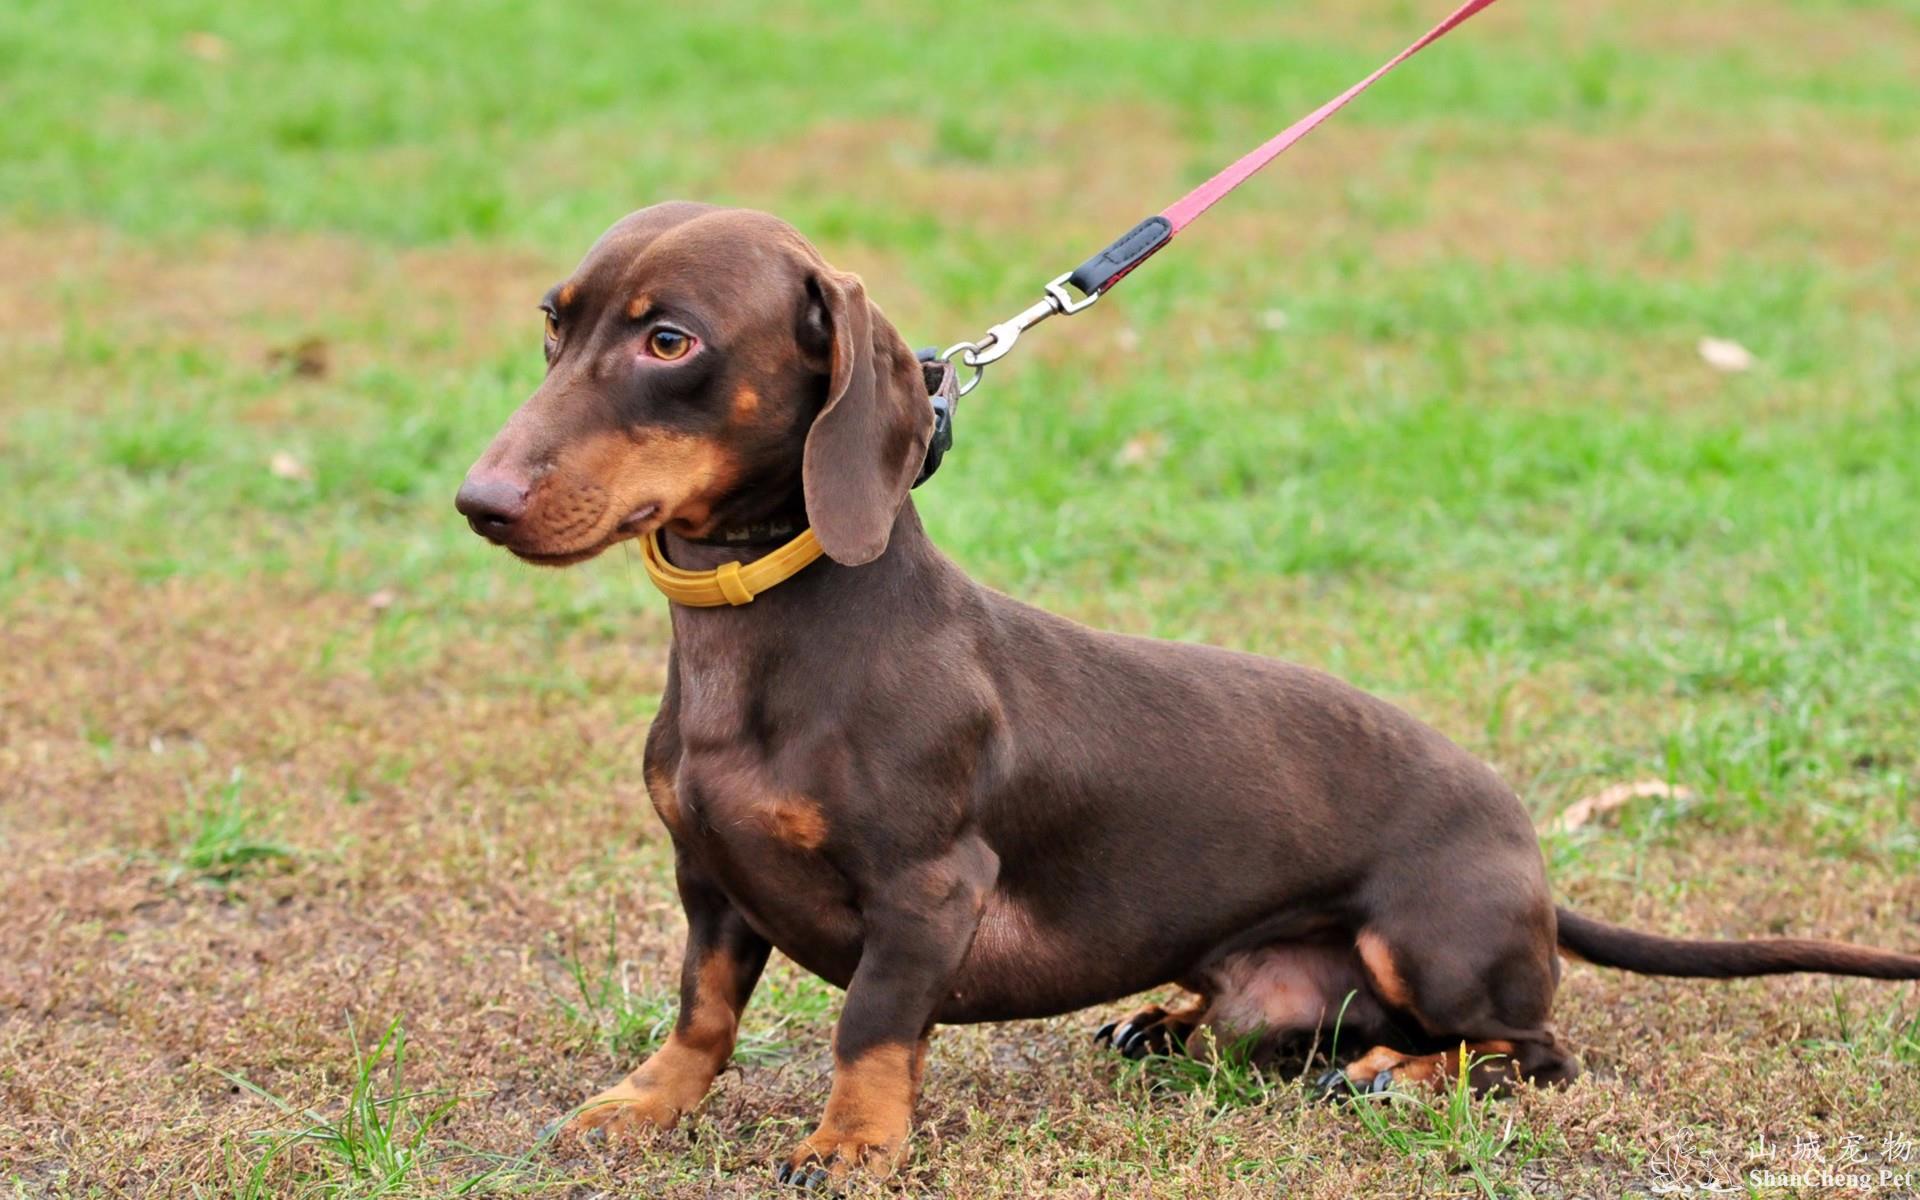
point(722, 963)
point(919, 922)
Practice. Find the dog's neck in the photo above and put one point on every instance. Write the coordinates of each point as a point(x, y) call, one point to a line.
point(757, 519)
point(751, 539)
point(745, 543)
point(823, 596)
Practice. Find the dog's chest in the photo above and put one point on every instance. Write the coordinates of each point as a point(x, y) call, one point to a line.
point(744, 811)
point(732, 803)
point(765, 845)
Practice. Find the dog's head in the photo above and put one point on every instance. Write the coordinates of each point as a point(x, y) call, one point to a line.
point(706, 369)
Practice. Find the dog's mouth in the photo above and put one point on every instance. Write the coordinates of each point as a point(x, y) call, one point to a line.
point(638, 523)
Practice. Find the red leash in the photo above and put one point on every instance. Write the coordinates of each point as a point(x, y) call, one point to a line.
point(1095, 277)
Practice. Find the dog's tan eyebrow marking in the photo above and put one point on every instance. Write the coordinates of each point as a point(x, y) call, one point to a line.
point(565, 296)
point(639, 306)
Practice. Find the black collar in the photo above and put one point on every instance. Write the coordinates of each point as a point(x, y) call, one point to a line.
point(942, 391)
point(758, 533)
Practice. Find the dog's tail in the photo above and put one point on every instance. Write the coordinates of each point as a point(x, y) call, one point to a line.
point(1606, 945)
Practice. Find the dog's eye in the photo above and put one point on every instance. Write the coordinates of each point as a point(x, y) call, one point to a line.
point(668, 344)
point(553, 328)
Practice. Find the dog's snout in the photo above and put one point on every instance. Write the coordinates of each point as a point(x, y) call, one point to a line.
point(491, 504)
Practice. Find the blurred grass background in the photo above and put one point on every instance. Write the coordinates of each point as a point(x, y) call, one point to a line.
point(1424, 405)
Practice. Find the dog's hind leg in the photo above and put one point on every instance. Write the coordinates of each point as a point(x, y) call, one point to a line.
point(1476, 979)
point(1263, 999)
point(1493, 1066)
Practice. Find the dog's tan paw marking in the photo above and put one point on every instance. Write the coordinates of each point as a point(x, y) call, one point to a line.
point(826, 1158)
point(1377, 1070)
point(868, 1119)
point(624, 1110)
point(667, 1085)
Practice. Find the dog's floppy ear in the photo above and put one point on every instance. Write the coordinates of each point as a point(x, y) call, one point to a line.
point(866, 447)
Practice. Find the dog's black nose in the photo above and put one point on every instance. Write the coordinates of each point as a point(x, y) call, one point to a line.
point(491, 504)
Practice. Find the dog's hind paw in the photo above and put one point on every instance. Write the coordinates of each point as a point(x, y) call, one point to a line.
point(1333, 1086)
point(1152, 1030)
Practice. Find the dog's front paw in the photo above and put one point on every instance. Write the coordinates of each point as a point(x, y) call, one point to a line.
point(627, 1109)
point(827, 1158)
point(652, 1098)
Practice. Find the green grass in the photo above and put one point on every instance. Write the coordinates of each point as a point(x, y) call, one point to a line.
point(1453, 1135)
point(221, 838)
point(1422, 406)
point(381, 1141)
point(602, 1000)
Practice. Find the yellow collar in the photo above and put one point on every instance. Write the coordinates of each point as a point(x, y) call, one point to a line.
point(729, 583)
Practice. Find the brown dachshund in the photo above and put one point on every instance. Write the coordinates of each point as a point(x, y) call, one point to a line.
point(959, 808)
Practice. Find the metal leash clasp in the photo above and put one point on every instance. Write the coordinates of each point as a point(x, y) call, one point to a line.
point(999, 339)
